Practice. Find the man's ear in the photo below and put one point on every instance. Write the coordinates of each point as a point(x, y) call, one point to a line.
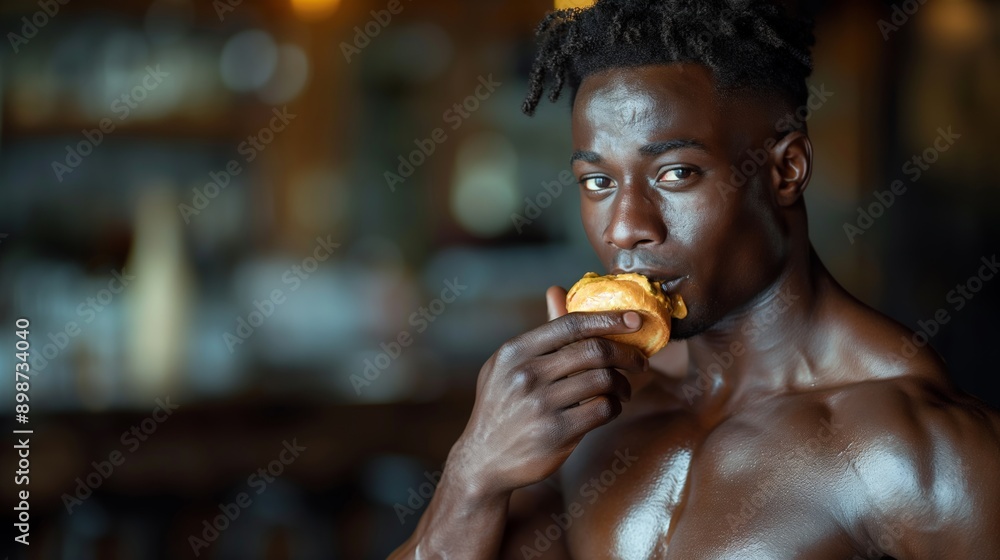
point(792, 159)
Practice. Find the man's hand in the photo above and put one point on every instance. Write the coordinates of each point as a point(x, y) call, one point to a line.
point(528, 415)
point(536, 398)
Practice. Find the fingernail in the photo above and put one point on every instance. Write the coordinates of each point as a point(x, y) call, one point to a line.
point(632, 320)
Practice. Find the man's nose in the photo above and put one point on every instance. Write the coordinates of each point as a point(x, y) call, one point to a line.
point(635, 220)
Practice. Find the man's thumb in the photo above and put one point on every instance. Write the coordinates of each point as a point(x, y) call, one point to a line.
point(555, 300)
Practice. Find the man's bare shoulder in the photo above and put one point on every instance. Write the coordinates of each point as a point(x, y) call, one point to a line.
point(897, 395)
point(894, 395)
point(922, 416)
point(922, 457)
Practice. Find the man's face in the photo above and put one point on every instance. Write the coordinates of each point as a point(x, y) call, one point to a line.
point(653, 149)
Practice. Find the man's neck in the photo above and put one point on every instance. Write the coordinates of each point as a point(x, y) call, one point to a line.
point(770, 345)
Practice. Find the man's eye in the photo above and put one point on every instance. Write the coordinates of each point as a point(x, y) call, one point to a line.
point(596, 183)
point(676, 174)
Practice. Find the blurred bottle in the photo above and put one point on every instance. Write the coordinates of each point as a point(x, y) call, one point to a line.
point(158, 297)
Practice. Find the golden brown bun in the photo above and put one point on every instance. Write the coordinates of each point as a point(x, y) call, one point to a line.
point(629, 291)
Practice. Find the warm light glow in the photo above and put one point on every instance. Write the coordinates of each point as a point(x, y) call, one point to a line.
point(314, 9)
point(564, 4)
point(957, 23)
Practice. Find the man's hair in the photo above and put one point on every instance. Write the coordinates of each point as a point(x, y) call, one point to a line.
point(747, 44)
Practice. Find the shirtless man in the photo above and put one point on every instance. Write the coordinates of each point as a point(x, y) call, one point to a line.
point(798, 427)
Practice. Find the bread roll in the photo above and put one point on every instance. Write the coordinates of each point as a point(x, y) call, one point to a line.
point(629, 291)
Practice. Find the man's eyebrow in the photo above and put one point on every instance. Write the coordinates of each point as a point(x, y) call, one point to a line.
point(657, 148)
point(584, 155)
point(653, 149)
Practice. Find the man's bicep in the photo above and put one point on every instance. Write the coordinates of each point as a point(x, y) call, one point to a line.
point(531, 511)
point(966, 495)
point(970, 535)
point(954, 510)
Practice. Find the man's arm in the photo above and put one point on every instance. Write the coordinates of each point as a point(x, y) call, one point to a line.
point(460, 522)
point(527, 419)
point(941, 499)
point(531, 510)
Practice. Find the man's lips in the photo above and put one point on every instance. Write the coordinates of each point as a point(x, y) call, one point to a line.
point(668, 281)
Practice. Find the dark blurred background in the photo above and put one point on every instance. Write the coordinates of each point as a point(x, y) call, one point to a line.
point(230, 244)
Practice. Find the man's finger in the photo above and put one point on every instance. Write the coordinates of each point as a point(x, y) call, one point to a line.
point(595, 353)
point(555, 299)
point(595, 412)
point(573, 327)
point(586, 385)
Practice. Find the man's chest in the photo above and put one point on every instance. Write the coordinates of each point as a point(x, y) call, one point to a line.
point(665, 486)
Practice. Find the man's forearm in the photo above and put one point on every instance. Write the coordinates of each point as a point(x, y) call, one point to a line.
point(460, 522)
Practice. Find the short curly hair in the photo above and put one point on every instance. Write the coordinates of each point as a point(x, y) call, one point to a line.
point(747, 44)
